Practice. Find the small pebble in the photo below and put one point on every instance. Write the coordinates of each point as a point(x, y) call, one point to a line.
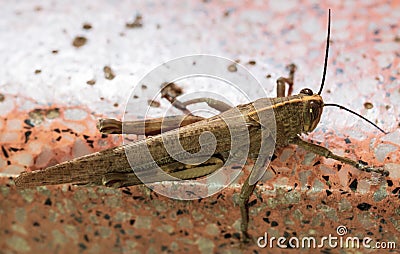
point(137, 23)
point(108, 73)
point(232, 68)
point(91, 82)
point(87, 26)
point(153, 103)
point(79, 41)
point(368, 105)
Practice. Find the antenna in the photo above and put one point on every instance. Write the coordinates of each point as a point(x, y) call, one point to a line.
point(326, 52)
point(351, 111)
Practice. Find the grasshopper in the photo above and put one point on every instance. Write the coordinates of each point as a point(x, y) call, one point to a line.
point(294, 114)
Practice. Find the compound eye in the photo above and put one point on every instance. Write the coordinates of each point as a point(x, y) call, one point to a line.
point(306, 91)
point(315, 109)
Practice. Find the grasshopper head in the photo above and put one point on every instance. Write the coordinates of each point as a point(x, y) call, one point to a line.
point(312, 109)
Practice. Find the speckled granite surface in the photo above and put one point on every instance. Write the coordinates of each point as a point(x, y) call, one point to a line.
point(54, 85)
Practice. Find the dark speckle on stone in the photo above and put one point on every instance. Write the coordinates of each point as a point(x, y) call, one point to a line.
point(266, 220)
point(390, 183)
point(353, 185)
point(107, 216)
point(29, 122)
point(179, 212)
point(339, 71)
point(48, 202)
point(395, 190)
point(236, 235)
point(27, 135)
point(227, 235)
point(127, 192)
point(5, 153)
point(253, 202)
point(328, 193)
point(77, 218)
point(82, 246)
point(274, 224)
point(131, 222)
point(36, 224)
point(347, 140)
point(317, 163)
point(267, 213)
point(364, 206)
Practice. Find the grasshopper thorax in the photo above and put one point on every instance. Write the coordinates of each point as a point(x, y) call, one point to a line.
point(312, 109)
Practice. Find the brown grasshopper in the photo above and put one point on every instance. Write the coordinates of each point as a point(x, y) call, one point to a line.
point(294, 114)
